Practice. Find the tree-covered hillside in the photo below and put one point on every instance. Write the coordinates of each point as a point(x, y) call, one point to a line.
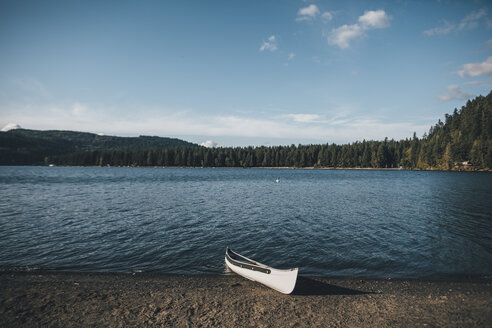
point(30, 147)
point(464, 136)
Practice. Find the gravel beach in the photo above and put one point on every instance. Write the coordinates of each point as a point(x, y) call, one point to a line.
point(32, 299)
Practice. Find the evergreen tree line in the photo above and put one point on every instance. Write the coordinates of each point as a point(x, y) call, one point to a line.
point(31, 147)
point(464, 136)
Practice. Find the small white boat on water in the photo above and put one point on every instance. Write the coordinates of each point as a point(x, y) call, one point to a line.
point(283, 281)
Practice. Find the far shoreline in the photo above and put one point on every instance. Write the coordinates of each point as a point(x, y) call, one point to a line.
point(265, 167)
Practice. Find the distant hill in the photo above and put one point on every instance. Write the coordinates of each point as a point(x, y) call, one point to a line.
point(30, 147)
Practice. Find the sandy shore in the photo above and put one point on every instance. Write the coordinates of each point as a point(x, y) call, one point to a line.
point(31, 299)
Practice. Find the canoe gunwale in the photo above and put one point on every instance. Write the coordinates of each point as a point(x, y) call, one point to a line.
point(245, 265)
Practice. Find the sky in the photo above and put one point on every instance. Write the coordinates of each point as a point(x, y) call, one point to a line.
point(241, 73)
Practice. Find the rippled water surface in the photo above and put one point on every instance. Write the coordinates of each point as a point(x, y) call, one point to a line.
point(327, 222)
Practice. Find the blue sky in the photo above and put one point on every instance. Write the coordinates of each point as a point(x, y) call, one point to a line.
point(242, 73)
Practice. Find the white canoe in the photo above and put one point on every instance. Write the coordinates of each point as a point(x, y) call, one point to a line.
point(283, 281)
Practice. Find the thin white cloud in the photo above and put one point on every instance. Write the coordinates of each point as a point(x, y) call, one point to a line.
point(443, 30)
point(338, 130)
point(486, 82)
point(454, 93)
point(327, 16)
point(79, 109)
point(291, 56)
point(476, 69)
point(343, 35)
point(305, 118)
point(172, 122)
point(308, 13)
point(270, 44)
point(469, 22)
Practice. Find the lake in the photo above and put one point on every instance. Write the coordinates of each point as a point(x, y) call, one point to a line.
point(349, 223)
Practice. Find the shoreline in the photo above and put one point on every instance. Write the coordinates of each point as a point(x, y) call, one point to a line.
point(27, 270)
point(272, 168)
point(43, 298)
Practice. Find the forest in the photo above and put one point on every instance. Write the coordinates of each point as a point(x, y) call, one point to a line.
point(462, 141)
point(32, 147)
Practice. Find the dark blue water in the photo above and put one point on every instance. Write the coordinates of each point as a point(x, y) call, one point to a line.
point(328, 223)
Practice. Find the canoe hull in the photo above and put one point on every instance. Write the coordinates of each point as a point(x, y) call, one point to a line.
point(282, 281)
